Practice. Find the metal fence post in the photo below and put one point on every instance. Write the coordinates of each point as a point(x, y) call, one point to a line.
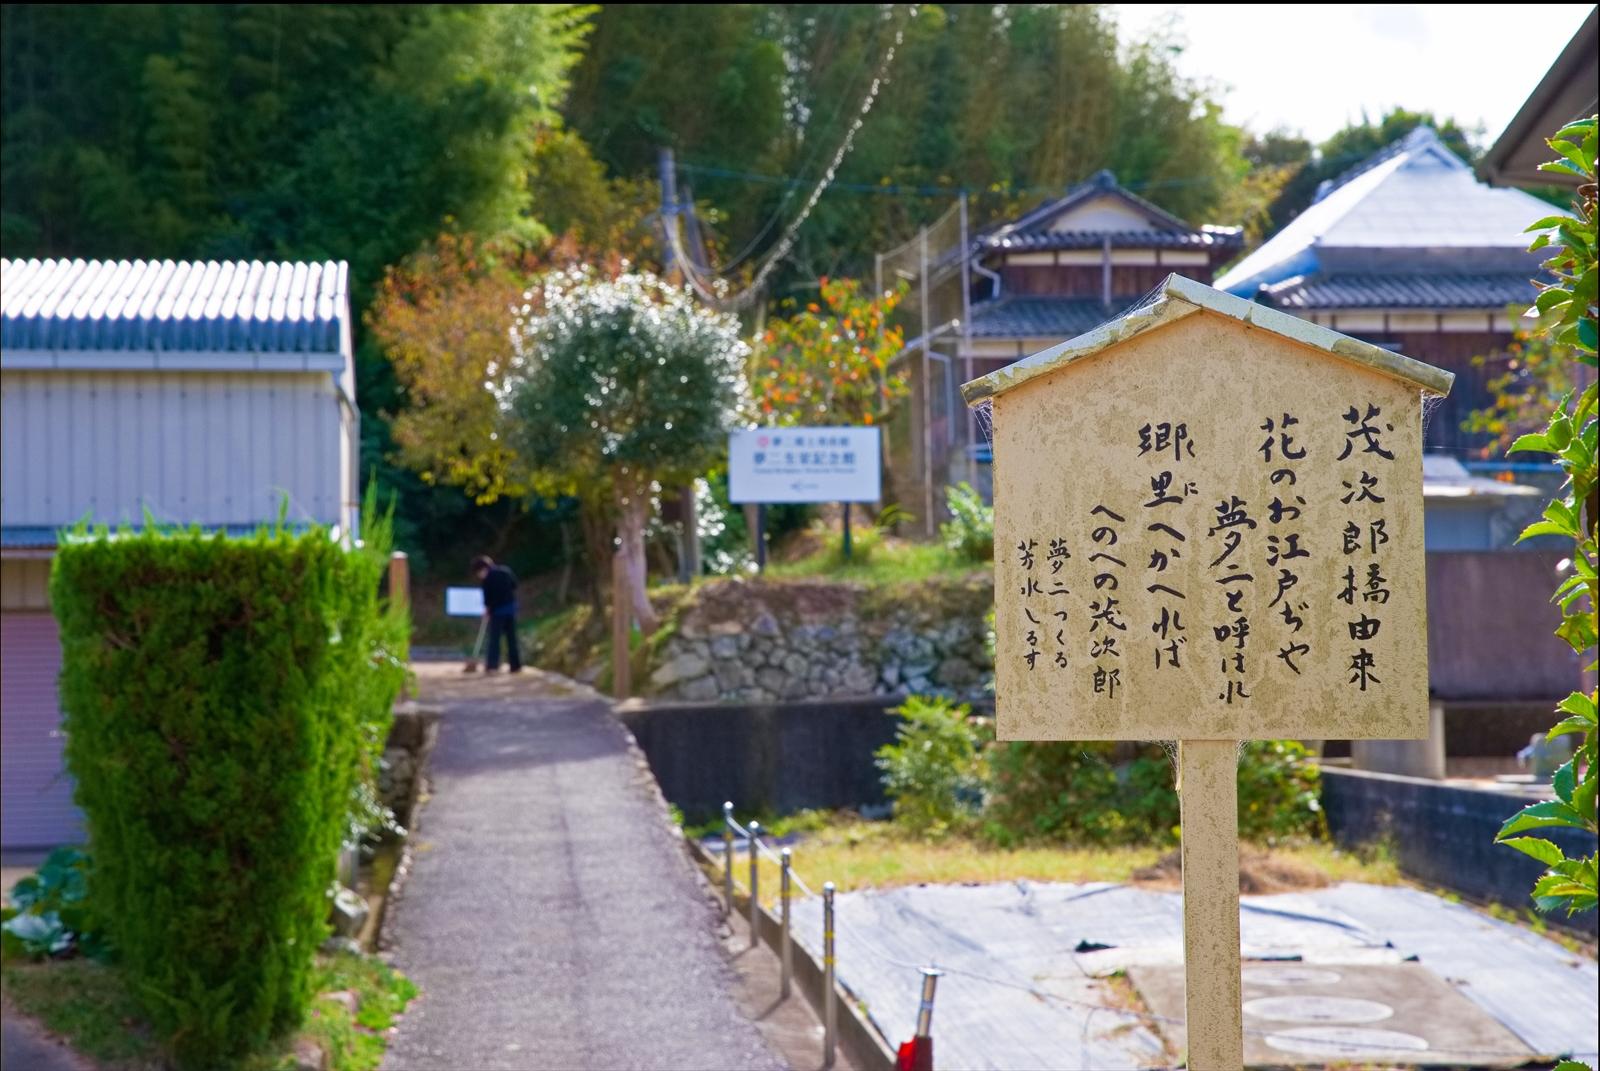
point(786, 955)
point(727, 860)
point(930, 981)
point(755, 882)
point(830, 1012)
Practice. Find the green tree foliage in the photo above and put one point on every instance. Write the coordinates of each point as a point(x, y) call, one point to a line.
point(222, 697)
point(1567, 308)
point(1345, 150)
point(256, 131)
point(1013, 102)
point(326, 131)
point(617, 387)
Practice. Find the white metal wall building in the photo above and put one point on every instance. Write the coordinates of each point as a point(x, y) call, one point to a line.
point(202, 392)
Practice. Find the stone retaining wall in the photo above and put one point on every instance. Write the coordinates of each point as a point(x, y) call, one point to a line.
point(757, 641)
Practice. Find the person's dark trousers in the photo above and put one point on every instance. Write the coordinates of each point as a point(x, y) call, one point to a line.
point(502, 625)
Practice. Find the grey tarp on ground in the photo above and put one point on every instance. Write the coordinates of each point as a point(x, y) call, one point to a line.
point(1027, 934)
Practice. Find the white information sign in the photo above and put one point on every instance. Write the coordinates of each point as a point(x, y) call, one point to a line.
point(805, 465)
point(463, 602)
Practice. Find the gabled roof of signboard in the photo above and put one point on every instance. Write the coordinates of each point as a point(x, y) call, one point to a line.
point(1178, 297)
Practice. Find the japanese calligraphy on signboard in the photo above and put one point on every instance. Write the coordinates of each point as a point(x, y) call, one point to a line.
point(1206, 529)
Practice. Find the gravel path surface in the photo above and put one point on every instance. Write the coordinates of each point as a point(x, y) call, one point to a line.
point(550, 918)
point(25, 1046)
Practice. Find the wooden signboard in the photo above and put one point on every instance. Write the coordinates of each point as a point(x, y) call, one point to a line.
point(1208, 528)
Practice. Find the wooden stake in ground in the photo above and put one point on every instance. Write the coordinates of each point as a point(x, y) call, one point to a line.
point(1208, 528)
point(621, 628)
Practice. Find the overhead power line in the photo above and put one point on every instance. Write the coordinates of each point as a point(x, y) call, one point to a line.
point(706, 287)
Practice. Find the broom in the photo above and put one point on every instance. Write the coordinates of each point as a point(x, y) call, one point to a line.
point(477, 648)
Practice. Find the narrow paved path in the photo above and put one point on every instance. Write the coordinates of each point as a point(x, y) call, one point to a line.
point(550, 917)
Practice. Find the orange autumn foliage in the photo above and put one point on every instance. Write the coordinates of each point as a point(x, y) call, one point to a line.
point(831, 367)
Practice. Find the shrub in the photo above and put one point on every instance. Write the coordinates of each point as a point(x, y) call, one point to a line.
point(222, 698)
point(934, 771)
point(1280, 792)
point(50, 913)
point(1081, 792)
point(969, 532)
point(1106, 793)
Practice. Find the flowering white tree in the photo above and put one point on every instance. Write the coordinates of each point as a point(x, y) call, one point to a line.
point(616, 387)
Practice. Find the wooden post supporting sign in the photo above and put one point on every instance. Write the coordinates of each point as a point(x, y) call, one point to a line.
point(1208, 528)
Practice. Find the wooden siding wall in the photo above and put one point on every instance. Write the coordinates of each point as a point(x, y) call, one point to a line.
point(210, 448)
point(1083, 280)
point(24, 584)
point(1489, 627)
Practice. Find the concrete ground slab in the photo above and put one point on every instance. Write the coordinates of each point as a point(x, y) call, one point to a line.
point(1400, 1013)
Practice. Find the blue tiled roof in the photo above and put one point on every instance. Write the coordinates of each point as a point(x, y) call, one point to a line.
point(1024, 316)
point(175, 306)
point(43, 537)
point(1488, 291)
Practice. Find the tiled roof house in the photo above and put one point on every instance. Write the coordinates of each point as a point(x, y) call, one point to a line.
point(1077, 261)
point(1411, 251)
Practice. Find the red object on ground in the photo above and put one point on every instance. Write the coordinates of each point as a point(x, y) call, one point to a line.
point(915, 1055)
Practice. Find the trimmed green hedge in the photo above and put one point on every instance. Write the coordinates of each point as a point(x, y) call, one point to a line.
point(223, 698)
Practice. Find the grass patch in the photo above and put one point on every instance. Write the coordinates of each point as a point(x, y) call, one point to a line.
point(91, 1007)
point(354, 1042)
point(876, 560)
point(857, 854)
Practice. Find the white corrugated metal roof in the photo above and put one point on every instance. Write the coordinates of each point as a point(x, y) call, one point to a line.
point(1416, 194)
point(175, 306)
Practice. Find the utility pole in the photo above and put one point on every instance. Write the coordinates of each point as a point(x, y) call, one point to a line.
point(928, 525)
point(667, 171)
point(696, 248)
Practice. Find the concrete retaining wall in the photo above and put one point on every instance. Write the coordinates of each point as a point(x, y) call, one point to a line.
point(777, 757)
point(1443, 834)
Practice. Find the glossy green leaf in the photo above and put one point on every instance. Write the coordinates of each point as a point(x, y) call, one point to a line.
point(1541, 528)
point(1579, 631)
point(1541, 816)
point(1564, 781)
point(1581, 705)
point(1533, 440)
point(1547, 853)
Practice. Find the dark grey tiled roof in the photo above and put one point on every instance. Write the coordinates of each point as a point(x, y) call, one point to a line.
point(1032, 231)
point(1489, 291)
point(175, 306)
point(1021, 316)
point(1207, 238)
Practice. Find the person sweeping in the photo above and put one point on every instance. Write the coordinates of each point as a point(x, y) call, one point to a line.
point(499, 611)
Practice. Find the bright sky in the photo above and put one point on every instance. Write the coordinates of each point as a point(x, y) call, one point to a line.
point(1314, 67)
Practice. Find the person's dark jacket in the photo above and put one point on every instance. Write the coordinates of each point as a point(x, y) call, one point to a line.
point(500, 590)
